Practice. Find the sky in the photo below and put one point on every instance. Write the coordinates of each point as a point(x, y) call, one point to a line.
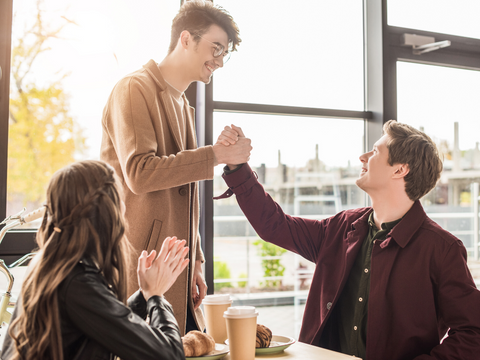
point(108, 40)
point(318, 62)
point(459, 17)
point(435, 97)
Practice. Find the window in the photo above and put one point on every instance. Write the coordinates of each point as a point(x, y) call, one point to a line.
point(302, 59)
point(458, 17)
point(305, 166)
point(56, 103)
point(302, 53)
point(442, 102)
point(298, 72)
point(437, 91)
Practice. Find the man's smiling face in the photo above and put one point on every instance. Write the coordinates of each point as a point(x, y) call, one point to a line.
point(203, 61)
point(376, 171)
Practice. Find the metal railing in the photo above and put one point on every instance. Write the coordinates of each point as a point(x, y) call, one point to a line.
point(473, 250)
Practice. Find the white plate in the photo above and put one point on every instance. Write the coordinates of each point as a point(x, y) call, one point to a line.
point(278, 344)
point(220, 351)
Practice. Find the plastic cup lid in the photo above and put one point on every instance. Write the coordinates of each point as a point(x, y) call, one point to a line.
point(217, 299)
point(240, 312)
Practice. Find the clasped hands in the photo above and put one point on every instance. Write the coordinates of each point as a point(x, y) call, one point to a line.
point(156, 274)
point(232, 147)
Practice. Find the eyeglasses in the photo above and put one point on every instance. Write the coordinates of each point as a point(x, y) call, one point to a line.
point(219, 50)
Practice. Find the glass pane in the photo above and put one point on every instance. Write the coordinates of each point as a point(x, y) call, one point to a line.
point(444, 103)
point(298, 53)
point(58, 91)
point(459, 17)
point(293, 156)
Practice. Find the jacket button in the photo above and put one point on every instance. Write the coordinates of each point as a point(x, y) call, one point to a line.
point(329, 305)
point(182, 191)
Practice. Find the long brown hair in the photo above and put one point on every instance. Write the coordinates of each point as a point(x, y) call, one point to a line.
point(83, 220)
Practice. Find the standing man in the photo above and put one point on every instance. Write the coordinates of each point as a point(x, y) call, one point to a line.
point(389, 282)
point(149, 138)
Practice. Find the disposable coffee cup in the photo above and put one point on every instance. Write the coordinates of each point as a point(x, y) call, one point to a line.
point(242, 331)
point(214, 307)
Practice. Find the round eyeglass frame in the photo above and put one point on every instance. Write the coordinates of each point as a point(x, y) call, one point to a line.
point(218, 50)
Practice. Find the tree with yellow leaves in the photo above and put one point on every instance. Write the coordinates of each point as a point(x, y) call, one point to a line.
point(43, 137)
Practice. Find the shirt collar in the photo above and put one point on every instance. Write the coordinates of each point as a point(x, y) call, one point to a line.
point(177, 94)
point(409, 225)
point(385, 226)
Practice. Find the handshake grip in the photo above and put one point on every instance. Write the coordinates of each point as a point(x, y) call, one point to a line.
point(242, 150)
point(235, 154)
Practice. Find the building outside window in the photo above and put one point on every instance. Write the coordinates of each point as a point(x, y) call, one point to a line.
point(308, 164)
point(436, 92)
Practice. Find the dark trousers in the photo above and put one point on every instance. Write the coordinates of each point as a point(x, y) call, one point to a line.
point(191, 324)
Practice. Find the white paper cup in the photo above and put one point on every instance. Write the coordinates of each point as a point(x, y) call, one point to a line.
point(242, 331)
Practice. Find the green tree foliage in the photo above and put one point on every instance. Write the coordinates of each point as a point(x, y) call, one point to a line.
point(271, 261)
point(43, 137)
point(242, 284)
point(220, 272)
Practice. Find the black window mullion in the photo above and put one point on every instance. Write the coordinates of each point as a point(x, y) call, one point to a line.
point(289, 110)
point(6, 9)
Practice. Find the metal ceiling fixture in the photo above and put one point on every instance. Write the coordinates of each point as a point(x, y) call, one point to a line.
point(423, 44)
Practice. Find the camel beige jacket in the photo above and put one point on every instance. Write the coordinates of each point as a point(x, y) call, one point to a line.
point(159, 169)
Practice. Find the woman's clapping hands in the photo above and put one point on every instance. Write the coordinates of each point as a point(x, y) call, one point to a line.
point(156, 274)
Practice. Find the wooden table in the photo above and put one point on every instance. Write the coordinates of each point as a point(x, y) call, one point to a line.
point(301, 351)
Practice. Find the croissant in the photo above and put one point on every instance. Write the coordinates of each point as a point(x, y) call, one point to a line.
point(196, 343)
point(264, 336)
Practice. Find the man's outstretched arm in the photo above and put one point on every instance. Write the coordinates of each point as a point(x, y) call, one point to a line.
point(302, 236)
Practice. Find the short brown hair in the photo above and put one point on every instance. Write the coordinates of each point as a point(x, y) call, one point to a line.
point(196, 16)
point(408, 145)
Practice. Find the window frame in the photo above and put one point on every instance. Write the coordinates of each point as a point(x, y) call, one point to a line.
point(6, 16)
point(201, 97)
point(463, 53)
point(382, 50)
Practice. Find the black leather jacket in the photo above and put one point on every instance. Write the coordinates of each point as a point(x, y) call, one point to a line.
point(96, 325)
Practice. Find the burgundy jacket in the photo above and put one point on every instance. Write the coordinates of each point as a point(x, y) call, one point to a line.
point(420, 285)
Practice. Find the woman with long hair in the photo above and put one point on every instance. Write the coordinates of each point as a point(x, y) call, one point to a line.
point(73, 300)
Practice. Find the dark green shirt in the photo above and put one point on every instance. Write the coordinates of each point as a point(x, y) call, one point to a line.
point(353, 302)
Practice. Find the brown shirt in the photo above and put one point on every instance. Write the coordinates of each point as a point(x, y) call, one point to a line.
point(179, 107)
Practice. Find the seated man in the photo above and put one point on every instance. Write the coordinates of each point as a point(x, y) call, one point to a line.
point(389, 282)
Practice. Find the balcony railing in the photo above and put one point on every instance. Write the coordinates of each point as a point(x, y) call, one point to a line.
point(293, 275)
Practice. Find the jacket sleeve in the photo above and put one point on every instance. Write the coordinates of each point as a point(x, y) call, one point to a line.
point(302, 236)
point(458, 308)
point(127, 121)
point(95, 310)
point(138, 304)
